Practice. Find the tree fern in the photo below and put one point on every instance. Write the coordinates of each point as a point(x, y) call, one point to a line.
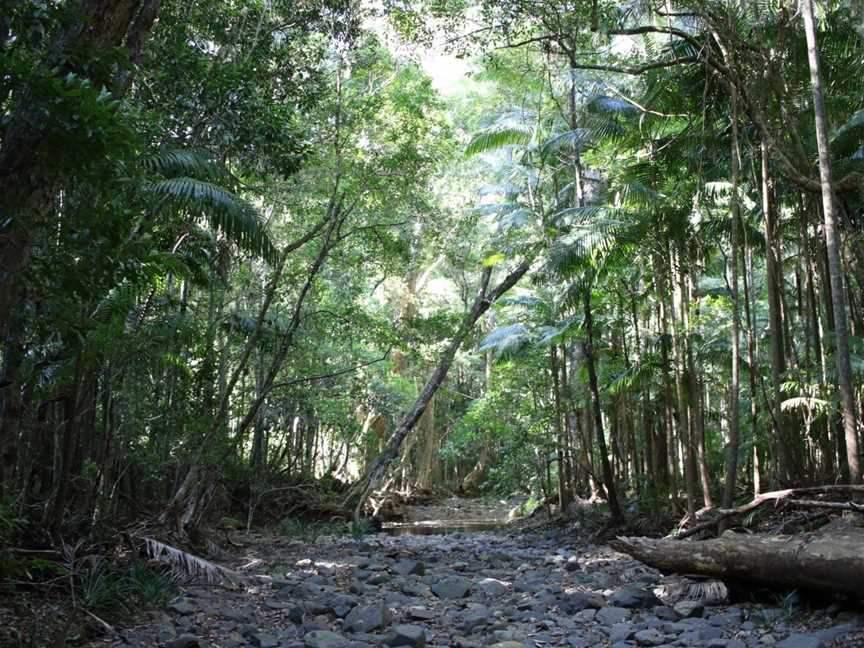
point(506, 339)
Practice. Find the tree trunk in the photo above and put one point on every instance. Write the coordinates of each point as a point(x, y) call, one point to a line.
point(830, 560)
point(26, 196)
point(597, 406)
point(832, 242)
point(482, 302)
point(734, 383)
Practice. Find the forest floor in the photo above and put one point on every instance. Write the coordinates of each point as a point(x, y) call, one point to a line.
point(505, 588)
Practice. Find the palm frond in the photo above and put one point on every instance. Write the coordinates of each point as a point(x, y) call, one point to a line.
point(556, 333)
point(850, 136)
point(496, 138)
point(223, 210)
point(187, 162)
point(190, 565)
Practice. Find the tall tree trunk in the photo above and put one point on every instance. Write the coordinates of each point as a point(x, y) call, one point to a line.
point(685, 417)
point(560, 443)
point(597, 406)
point(774, 283)
point(832, 242)
point(735, 381)
point(26, 195)
point(485, 298)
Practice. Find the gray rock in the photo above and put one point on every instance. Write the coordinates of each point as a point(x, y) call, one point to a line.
point(184, 641)
point(452, 587)
point(263, 640)
point(650, 637)
point(475, 617)
point(413, 587)
point(729, 618)
point(665, 612)
point(421, 613)
point(324, 639)
point(634, 596)
point(407, 635)
point(183, 608)
point(586, 616)
point(829, 634)
point(529, 584)
point(364, 619)
point(802, 641)
point(409, 568)
point(621, 631)
point(612, 615)
point(578, 601)
point(689, 609)
point(491, 587)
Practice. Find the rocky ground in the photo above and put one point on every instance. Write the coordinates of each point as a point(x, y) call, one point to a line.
point(502, 589)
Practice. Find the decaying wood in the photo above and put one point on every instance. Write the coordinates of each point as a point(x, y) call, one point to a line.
point(789, 497)
point(829, 560)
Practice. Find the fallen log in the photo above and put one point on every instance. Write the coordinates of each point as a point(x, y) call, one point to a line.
point(830, 560)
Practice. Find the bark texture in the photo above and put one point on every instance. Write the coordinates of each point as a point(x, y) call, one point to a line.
point(829, 560)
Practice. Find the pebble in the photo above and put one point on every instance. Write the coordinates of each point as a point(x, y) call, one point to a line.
point(476, 590)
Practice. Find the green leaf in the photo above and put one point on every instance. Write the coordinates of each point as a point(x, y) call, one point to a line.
point(498, 137)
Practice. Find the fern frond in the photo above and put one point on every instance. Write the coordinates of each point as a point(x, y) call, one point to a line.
point(506, 339)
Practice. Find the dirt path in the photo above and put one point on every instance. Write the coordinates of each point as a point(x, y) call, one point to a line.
point(501, 589)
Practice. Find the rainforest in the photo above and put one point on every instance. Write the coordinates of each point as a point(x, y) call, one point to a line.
point(331, 323)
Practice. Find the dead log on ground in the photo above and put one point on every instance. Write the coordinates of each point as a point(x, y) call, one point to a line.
point(829, 560)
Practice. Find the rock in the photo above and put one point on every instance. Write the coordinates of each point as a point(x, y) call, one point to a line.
point(491, 587)
point(420, 613)
point(621, 631)
point(802, 641)
point(649, 637)
point(689, 609)
point(832, 633)
point(476, 616)
point(731, 617)
point(529, 584)
point(324, 639)
point(572, 564)
point(182, 608)
point(184, 641)
point(409, 568)
point(452, 587)
point(612, 615)
point(666, 613)
point(578, 601)
point(364, 619)
point(407, 635)
point(634, 596)
point(508, 644)
point(413, 588)
point(263, 640)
